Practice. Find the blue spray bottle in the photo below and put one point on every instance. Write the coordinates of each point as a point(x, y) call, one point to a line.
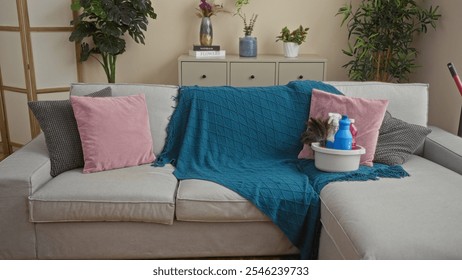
point(343, 138)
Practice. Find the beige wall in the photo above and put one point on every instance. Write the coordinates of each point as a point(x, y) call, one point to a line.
point(437, 48)
point(177, 29)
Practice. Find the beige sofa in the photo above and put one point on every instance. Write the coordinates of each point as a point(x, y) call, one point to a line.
point(145, 213)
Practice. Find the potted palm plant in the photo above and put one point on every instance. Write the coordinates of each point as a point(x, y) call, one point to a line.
point(292, 40)
point(248, 43)
point(382, 33)
point(105, 22)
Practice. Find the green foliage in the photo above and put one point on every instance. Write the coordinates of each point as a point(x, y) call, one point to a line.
point(240, 3)
point(297, 36)
point(382, 32)
point(248, 26)
point(105, 22)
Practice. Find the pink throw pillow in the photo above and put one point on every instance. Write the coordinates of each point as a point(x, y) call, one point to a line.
point(368, 115)
point(114, 131)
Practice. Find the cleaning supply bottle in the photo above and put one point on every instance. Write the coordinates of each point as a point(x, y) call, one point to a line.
point(333, 122)
point(343, 137)
point(354, 132)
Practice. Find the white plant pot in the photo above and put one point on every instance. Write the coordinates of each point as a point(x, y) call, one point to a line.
point(290, 49)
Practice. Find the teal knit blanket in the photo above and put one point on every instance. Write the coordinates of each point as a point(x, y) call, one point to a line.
point(248, 139)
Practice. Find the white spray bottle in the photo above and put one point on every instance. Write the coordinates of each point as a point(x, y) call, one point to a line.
point(334, 119)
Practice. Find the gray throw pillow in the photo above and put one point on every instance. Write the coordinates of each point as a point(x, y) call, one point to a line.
point(398, 140)
point(57, 121)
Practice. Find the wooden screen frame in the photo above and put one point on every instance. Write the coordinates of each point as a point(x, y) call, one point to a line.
point(30, 89)
point(6, 150)
point(34, 92)
point(7, 143)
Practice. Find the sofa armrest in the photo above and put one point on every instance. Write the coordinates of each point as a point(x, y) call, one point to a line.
point(20, 174)
point(444, 148)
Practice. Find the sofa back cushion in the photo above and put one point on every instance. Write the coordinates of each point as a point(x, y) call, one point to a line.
point(160, 100)
point(408, 102)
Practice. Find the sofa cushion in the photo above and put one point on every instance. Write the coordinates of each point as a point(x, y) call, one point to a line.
point(160, 100)
point(398, 140)
point(114, 132)
point(407, 101)
point(417, 217)
point(141, 193)
point(56, 119)
point(205, 201)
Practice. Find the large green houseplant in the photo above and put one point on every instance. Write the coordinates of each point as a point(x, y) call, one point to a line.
point(106, 22)
point(382, 32)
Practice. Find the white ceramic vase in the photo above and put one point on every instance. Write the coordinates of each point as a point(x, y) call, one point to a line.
point(290, 49)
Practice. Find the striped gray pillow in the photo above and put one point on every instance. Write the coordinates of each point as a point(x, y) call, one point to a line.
point(57, 121)
point(398, 140)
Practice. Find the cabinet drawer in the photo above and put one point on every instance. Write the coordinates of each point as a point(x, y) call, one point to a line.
point(203, 73)
point(290, 71)
point(253, 74)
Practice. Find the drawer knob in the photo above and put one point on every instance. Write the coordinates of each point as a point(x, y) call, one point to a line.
point(204, 76)
point(300, 77)
point(252, 77)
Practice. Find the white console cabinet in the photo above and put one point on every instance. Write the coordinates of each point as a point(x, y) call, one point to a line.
point(263, 70)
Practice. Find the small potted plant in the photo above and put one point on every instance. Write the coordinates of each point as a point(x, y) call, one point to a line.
point(292, 40)
point(247, 44)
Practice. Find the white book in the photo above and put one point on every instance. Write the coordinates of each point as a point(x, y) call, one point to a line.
point(204, 54)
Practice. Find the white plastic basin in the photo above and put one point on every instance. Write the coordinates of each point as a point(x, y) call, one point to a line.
point(333, 160)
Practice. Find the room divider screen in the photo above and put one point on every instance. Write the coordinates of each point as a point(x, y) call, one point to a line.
point(37, 62)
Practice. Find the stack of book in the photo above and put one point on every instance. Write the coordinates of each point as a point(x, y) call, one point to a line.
point(199, 51)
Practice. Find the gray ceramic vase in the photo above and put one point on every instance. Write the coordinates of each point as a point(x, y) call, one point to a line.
point(248, 46)
point(206, 32)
